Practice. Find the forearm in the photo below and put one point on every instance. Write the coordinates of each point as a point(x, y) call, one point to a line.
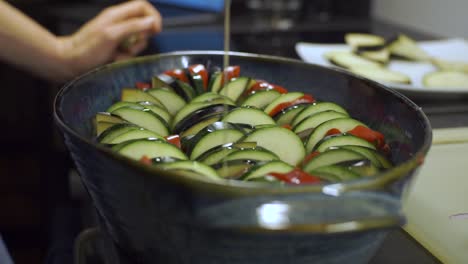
point(26, 44)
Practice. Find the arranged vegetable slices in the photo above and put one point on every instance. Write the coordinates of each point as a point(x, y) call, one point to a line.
point(202, 122)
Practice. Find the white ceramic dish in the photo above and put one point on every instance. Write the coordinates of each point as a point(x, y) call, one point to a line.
point(448, 49)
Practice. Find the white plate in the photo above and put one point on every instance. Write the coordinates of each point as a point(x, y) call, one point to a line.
point(449, 49)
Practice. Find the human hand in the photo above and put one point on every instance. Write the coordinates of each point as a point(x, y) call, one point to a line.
point(100, 40)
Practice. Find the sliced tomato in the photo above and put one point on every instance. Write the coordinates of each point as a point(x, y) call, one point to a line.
point(199, 69)
point(143, 86)
point(230, 72)
point(174, 140)
point(333, 131)
point(145, 160)
point(368, 134)
point(178, 74)
point(261, 85)
point(287, 126)
point(309, 157)
point(296, 176)
point(303, 99)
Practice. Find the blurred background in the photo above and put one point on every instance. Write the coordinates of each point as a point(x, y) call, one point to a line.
point(42, 206)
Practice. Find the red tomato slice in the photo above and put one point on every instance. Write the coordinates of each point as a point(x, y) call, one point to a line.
point(296, 176)
point(368, 134)
point(261, 85)
point(304, 99)
point(230, 72)
point(178, 74)
point(200, 70)
point(309, 157)
point(333, 131)
point(145, 160)
point(174, 140)
point(143, 86)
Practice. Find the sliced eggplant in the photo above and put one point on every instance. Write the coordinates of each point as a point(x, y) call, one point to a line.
point(201, 124)
point(191, 114)
point(164, 114)
point(446, 79)
point(446, 65)
point(356, 40)
point(405, 47)
point(350, 60)
point(381, 74)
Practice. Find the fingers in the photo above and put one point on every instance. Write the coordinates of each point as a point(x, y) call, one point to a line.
point(117, 33)
point(131, 9)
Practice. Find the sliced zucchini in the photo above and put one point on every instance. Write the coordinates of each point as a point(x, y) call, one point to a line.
point(338, 172)
point(216, 80)
point(171, 101)
point(381, 74)
point(445, 65)
point(261, 99)
point(144, 118)
point(109, 134)
point(109, 118)
point(135, 95)
point(317, 108)
point(342, 124)
point(349, 60)
point(233, 169)
point(142, 105)
point(371, 154)
point(103, 126)
point(201, 124)
point(209, 96)
point(446, 79)
point(208, 138)
point(256, 154)
point(248, 115)
point(283, 98)
point(331, 157)
point(405, 47)
point(192, 113)
point(286, 116)
point(342, 140)
point(264, 169)
point(133, 134)
point(363, 39)
point(190, 168)
point(216, 154)
point(151, 148)
point(313, 121)
point(235, 88)
point(281, 141)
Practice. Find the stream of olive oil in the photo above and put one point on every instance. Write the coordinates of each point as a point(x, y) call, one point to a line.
point(227, 33)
